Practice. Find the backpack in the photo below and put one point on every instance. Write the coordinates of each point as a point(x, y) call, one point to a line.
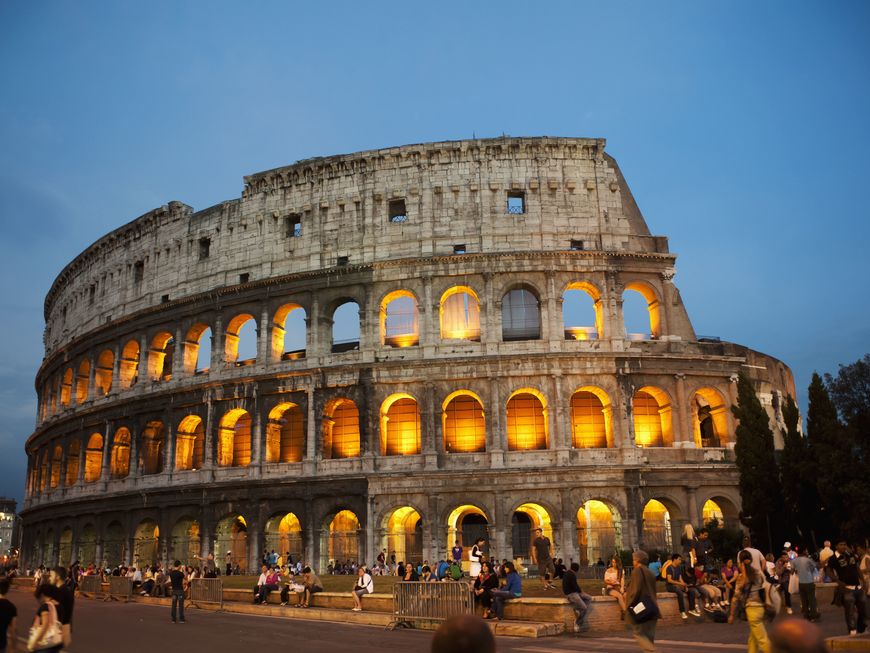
point(663, 572)
point(455, 571)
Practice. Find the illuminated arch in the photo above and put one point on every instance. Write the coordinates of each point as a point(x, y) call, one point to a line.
point(128, 368)
point(343, 533)
point(711, 512)
point(231, 541)
point(73, 453)
point(160, 355)
point(399, 319)
point(186, 541)
point(103, 372)
point(284, 536)
point(463, 423)
point(66, 387)
point(591, 418)
point(290, 319)
point(657, 532)
point(460, 314)
point(114, 545)
point(94, 458)
point(520, 314)
point(527, 426)
point(285, 434)
point(56, 466)
point(599, 531)
point(653, 421)
point(653, 308)
point(525, 519)
point(234, 439)
point(86, 546)
point(404, 534)
point(189, 443)
point(192, 342)
point(341, 436)
point(83, 379)
point(146, 544)
point(64, 549)
point(120, 462)
point(572, 307)
point(710, 418)
point(400, 425)
point(152, 450)
point(234, 337)
point(465, 524)
point(721, 508)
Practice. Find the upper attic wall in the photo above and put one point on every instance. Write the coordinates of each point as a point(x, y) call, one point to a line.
point(455, 193)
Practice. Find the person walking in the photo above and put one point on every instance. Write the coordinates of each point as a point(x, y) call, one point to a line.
point(178, 583)
point(46, 634)
point(580, 601)
point(843, 569)
point(640, 597)
point(66, 598)
point(542, 555)
point(748, 594)
point(8, 619)
point(805, 569)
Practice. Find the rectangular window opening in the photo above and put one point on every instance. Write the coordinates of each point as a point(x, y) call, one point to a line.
point(244, 277)
point(342, 261)
point(398, 213)
point(204, 248)
point(164, 299)
point(577, 245)
point(138, 271)
point(459, 249)
point(516, 202)
point(293, 225)
point(93, 294)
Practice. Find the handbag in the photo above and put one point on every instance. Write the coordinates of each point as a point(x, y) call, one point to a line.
point(53, 635)
point(643, 609)
point(793, 584)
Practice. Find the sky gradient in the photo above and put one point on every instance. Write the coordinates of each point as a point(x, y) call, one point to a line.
point(743, 130)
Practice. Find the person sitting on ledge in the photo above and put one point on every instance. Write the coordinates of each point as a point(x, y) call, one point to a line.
point(310, 585)
point(364, 585)
point(511, 589)
point(268, 582)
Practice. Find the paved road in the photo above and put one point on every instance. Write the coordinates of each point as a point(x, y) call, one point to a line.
point(136, 628)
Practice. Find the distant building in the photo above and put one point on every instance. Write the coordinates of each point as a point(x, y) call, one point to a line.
point(8, 522)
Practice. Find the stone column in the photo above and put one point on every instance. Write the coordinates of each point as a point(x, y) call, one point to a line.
point(314, 324)
point(105, 473)
point(143, 373)
point(683, 437)
point(557, 412)
point(92, 380)
point(694, 515)
point(208, 444)
point(116, 369)
point(135, 434)
point(495, 434)
point(217, 346)
point(83, 452)
point(622, 415)
point(256, 544)
point(264, 332)
point(554, 331)
point(367, 555)
point(310, 425)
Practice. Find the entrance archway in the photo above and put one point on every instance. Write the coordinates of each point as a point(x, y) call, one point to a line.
point(146, 544)
point(404, 534)
point(657, 529)
point(464, 525)
point(64, 551)
point(186, 542)
point(598, 531)
point(284, 536)
point(87, 546)
point(525, 520)
point(231, 542)
point(115, 545)
point(340, 538)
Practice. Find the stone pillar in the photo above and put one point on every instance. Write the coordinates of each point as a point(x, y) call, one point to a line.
point(143, 373)
point(217, 346)
point(135, 434)
point(367, 554)
point(170, 446)
point(92, 381)
point(552, 321)
point(558, 439)
point(309, 552)
point(209, 438)
point(429, 324)
point(116, 370)
point(310, 424)
point(683, 436)
point(429, 437)
point(178, 348)
point(496, 438)
point(622, 415)
point(264, 332)
point(314, 324)
point(694, 515)
point(256, 544)
point(83, 452)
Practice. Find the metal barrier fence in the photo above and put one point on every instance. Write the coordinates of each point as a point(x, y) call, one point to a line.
point(427, 603)
point(207, 590)
point(91, 586)
point(120, 588)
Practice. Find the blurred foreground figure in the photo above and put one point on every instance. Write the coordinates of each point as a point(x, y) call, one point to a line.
point(463, 634)
point(796, 636)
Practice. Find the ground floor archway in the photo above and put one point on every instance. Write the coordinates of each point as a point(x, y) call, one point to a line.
point(284, 536)
point(404, 535)
point(231, 543)
point(599, 532)
point(186, 542)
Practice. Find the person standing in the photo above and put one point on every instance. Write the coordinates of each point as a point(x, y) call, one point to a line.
point(542, 555)
point(66, 598)
point(805, 569)
point(580, 601)
point(748, 593)
point(758, 562)
point(843, 568)
point(824, 555)
point(456, 553)
point(640, 597)
point(475, 556)
point(178, 583)
point(8, 619)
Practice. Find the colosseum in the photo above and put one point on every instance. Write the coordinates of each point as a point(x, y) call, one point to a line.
point(394, 349)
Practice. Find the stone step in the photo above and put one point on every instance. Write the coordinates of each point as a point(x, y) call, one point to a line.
point(846, 643)
point(526, 628)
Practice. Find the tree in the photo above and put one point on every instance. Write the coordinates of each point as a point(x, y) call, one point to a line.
point(760, 490)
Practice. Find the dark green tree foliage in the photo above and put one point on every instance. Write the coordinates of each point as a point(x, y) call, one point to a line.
point(727, 541)
point(756, 463)
point(850, 393)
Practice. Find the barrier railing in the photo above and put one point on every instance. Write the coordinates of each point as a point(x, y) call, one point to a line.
point(91, 586)
point(428, 603)
point(120, 588)
point(207, 590)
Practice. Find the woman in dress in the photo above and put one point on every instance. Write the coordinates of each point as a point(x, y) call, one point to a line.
point(614, 584)
point(475, 556)
point(485, 582)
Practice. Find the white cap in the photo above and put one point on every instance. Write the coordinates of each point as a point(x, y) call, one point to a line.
point(787, 545)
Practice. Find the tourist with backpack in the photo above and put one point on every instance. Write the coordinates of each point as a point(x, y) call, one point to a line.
point(750, 596)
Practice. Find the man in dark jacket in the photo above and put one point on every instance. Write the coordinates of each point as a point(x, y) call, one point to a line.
point(580, 600)
point(642, 586)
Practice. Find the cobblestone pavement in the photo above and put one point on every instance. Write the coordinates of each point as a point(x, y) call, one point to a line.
point(136, 628)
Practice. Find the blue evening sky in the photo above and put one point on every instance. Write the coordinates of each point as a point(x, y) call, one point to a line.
point(743, 129)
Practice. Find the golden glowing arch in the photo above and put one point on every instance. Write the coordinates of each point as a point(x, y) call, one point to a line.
point(400, 425)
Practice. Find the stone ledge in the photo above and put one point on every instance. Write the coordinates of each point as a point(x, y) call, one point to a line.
point(846, 643)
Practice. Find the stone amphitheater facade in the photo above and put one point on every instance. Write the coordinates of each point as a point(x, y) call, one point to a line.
point(463, 401)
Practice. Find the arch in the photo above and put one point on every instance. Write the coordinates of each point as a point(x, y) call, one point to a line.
point(73, 453)
point(66, 387)
point(146, 544)
point(104, 371)
point(120, 462)
point(86, 546)
point(399, 319)
point(83, 379)
point(152, 450)
point(400, 425)
point(599, 531)
point(710, 418)
point(284, 536)
point(653, 421)
point(460, 314)
point(463, 423)
point(404, 534)
point(65, 546)
point(234, 439)
point(185, 541)
point(197, 349)
point(345, 327)
point(114, 545)
point(189, 443)
point(465, 524)
point(128, 366)
point(576, 314)
point(240, 340)
point(527, 426)
point(341, 436)
point(520, 314)
point(44, 469)
point(56, 466)
point(285, 434)
point(231, 541)
point(591, 418)
point(289, 333)
point(525, 519)
point(94, 458)
point(343, 533)
point(48, 550)
point(712, 512)
point(657, 531)
point(160, 356)
point(652, 307)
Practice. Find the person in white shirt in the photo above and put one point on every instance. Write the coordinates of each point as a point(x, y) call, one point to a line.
point(758, 562)
point(364, 585)
point(824, 554)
